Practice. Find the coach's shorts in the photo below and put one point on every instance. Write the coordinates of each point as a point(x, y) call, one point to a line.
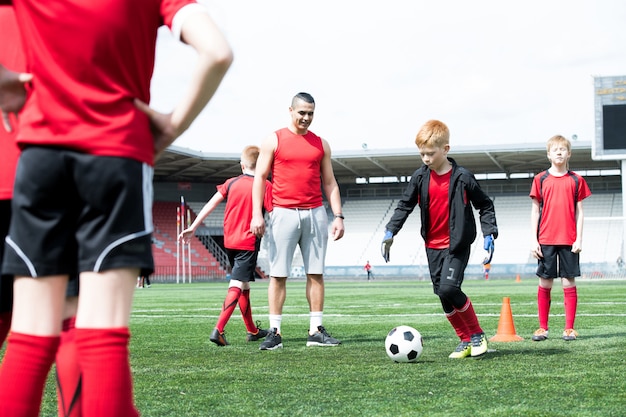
point(243, 263)
point(446, 269)
point(288, 228)
point(74, 212)
point(558, 262)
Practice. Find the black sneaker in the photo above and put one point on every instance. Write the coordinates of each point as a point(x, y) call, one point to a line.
point(260, 334)
point(272, 341)
point(218, 338)
point(322, 338)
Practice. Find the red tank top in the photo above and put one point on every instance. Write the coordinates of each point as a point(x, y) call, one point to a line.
point(296, 172)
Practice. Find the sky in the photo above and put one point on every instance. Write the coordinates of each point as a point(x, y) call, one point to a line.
point(496, 72)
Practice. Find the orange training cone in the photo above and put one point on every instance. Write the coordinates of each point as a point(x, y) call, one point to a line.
point(506, 329)
point(518, 279)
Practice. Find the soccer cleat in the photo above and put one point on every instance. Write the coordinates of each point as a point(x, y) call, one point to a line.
point(322, 338)
point(570, 334)
point(479, 344)
point(272, 341)
point(463, 350)
point(260, 334)
point(541, 334)
point(218, 338)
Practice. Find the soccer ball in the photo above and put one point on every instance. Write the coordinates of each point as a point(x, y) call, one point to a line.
point(404, 344)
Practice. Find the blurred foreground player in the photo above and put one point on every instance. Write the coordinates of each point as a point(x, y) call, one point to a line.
point(82, 196)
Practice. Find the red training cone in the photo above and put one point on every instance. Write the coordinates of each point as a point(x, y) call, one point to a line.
point(506, 329)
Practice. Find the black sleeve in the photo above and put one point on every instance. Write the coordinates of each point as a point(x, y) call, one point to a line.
point(484, 204)
point(406, 204)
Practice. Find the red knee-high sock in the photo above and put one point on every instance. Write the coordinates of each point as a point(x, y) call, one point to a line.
point(570, 300)
point(68, 373)
point(469, 317)
point(5, 325)
point(459, 326)
point(246, 311)
point(543, 306)
point(107, 386)
point(25, 367)
point(230, 302)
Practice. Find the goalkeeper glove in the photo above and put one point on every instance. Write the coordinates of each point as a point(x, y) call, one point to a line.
point(489, 247)
point(386, 245)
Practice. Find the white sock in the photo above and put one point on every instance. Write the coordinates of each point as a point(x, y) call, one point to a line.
point(275, 320)
point(315, 320)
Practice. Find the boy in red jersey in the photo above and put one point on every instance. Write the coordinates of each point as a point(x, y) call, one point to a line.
point(241, 245)
point(557, 224)
point(82, 195)
point(300, 164)
point(445, 193)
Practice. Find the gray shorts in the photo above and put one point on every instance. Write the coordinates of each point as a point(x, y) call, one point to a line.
point(288, 228)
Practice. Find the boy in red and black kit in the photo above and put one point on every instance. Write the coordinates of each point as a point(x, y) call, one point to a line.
point(83, 188)
point(445, 193)
point(241, 245)
point(557, 224)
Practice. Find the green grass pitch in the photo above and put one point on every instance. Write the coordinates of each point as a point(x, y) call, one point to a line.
point(179, 373)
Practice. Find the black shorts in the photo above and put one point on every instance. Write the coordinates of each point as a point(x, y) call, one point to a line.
point(446, 269)
point(6, 281)
point(74, 212)
point(558, 262)
point(243, 263)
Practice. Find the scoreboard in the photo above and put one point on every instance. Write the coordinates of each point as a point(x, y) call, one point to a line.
point(610, 118)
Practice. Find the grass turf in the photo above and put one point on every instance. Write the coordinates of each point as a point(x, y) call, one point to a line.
point(178, 372)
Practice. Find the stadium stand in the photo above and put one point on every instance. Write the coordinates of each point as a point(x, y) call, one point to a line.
point(366, 219)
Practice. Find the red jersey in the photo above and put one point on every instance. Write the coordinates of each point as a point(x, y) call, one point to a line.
point(296, 172)
point(438, 236)
point(12, 57)
point(84, 101)
point(557, 197)
point(238, 212)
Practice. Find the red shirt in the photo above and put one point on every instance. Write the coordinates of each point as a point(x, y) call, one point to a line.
point(84, 101)
point(12, 57)
point(238, 212)
point(557, 223)
point(296, 172)
point(438, 236)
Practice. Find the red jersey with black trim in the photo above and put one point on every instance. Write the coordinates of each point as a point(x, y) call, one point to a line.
point(90, 60)
point(296, 171)
point(12, 57)
point(438, 235)
point(557, 217)
point(238, 211)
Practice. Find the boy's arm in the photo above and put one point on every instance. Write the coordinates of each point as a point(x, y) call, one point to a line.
point(405, 205)
point(486, 209)
point(206, 210)
point(578, 244)
point(535, 248)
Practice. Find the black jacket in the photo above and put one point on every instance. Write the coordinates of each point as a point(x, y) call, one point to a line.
point(463, 189)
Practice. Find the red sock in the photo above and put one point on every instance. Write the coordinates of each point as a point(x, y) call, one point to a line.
point(25, 367)
point(68, 373)
point(230, 302)
point(246, 311)
point(459, 326)
point(107, 386)
point(5, 325)
point(543, 306)
point(469, 317)
point(570, 300)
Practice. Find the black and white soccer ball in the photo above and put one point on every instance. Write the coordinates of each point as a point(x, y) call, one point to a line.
point(404, 344)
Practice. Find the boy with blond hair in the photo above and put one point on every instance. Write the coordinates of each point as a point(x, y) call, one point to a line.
point(557, 224)
point(445, 193)
point(241, 245)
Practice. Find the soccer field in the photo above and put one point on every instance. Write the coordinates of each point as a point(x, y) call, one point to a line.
point(178, 372)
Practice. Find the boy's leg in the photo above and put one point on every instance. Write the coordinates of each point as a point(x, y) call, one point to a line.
point(32, 344)
point(570, 301)
point(230, 302)
point(68, 375)
point(102, 340)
